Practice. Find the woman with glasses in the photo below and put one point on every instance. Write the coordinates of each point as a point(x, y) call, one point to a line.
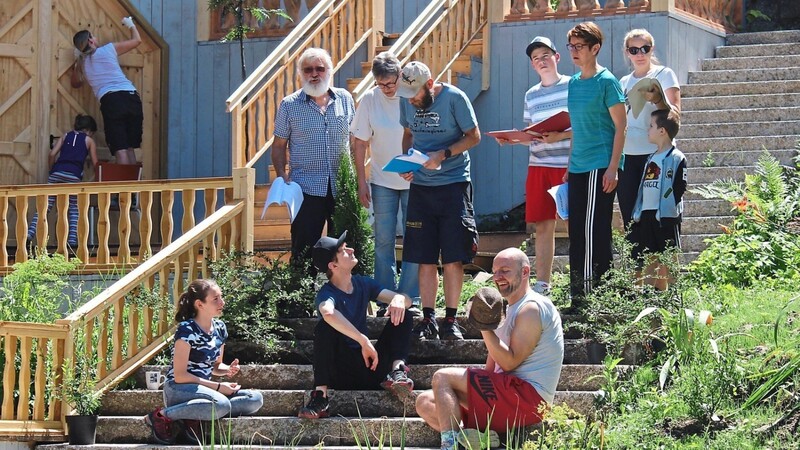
point(639, 49)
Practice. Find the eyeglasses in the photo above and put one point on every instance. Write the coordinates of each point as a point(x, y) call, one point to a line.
point(577, 47)
point(310, 70)
point(645, 49)
point(389, 85)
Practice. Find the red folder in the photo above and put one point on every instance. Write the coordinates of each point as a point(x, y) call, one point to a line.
point(514, 136)
point(556, 122)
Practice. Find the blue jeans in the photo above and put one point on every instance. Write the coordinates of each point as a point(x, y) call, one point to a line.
point(385, 204)
point(195, 402)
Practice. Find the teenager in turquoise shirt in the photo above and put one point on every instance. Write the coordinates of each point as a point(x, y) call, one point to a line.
point(597, 111)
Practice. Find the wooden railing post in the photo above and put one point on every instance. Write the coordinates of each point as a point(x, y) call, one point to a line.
point(244, 188)
point(378, 26)
point(662, 5)
point(238, 158)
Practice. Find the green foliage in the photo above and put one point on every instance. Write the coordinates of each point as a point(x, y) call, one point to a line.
point(34, 291)
point(79, 384)
point(755, 14)
point(241, 8)
point(563, 428)
point(764, 241)
point(349, 215)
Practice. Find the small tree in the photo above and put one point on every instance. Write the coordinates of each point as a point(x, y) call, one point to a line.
point(351, 216)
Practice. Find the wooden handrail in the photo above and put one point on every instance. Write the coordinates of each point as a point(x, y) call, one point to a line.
point(437, 36)
point(340, 26)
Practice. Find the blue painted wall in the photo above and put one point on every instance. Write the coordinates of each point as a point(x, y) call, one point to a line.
point(499, 172)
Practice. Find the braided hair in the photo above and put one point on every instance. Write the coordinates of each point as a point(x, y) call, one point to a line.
point(197, 290)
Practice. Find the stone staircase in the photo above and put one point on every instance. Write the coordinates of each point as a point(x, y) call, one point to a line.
point(285, 382)
point(743, 101)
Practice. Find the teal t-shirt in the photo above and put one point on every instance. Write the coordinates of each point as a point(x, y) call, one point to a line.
point(592, 128)
point(437, 128)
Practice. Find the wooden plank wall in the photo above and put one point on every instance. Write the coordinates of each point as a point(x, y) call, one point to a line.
point(400, 13)
point(498, 173)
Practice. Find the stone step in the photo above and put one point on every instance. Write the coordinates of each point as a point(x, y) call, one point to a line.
point(737, 102)
point(717, 159)
point(708, 174)
point(706, 207)
point(574, 377)
point(741, 75)
point(696, 242)
point(730, 144)
point(740, 88)
point(704, 225)
point(772, 61)
point(739, 115)
point(763, 50)
point(751, 128)
point(467, 351)
point(290, 431)
point(289, 402)
point(764, 37)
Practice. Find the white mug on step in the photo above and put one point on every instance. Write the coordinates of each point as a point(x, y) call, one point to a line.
point(154, 379)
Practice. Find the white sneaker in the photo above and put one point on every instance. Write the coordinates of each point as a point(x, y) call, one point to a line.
point(472, 439)
point(541, 288)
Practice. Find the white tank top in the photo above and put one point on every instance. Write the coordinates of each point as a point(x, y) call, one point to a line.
point(103, 72)
point(542, 368)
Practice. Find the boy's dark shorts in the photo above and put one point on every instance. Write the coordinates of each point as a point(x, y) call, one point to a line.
point(650, 236)
point(440, 220)
point(122, 120)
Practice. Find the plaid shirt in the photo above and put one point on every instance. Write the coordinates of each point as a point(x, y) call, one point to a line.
point(316, 139)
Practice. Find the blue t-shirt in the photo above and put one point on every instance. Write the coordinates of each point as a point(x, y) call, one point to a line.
point(205, 348)
point(438, 127)
point(353, 306)
point(592, 128)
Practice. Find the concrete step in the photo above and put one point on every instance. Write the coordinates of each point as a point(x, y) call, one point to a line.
point(772, 61)
point(736, 129)
point(730, 144)
point(765, 37)
point(701, 175)
point(574, 377)
point(289, 402)
point(704, 225)
point(764, 50)
point(739, 88)
point(467, 351)
point(717, 159)
point(737, 102)
point(291, 431)
point(695, 242)
point(706, 207)
point(740, 115)
point(742, 75)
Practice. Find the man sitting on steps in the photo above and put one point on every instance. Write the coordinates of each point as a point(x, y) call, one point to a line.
point(344, 357)
point(526, 351)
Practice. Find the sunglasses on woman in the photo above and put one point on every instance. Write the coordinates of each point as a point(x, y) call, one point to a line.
point(645, 49)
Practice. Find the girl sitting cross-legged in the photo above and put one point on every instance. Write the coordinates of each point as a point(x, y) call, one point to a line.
point(189, 393)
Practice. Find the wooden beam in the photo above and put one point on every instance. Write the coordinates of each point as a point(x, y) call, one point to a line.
point(662, 5)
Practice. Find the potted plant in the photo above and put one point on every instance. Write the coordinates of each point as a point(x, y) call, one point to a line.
point(78, 391)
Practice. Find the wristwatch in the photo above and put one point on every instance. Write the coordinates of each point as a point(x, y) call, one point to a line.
point(447, 153)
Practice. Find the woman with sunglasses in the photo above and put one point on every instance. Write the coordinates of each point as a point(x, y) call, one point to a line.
point(639, 48)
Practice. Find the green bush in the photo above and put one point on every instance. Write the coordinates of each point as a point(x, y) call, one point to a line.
point(34, 291)
point(763, 242)
point(351, 216)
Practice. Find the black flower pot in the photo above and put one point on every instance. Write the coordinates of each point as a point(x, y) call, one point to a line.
point(82, 429)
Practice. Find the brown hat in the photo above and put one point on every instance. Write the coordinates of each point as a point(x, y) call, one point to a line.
point(486, 309)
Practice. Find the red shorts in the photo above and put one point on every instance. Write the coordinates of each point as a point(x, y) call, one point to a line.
point(539, 205)
point(502, 401)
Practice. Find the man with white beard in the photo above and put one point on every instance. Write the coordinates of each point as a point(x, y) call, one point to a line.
point(312, 129)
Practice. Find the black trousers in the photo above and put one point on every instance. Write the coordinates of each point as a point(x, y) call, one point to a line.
point(590, 246)
point(628, 187)
point(307, 227)
point(339, 366)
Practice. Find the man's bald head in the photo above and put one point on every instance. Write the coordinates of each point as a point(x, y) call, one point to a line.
point(514, 254)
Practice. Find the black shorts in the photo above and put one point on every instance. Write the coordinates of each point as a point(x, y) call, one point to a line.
point(122, 120)
point(440, 221)
point(650, 236)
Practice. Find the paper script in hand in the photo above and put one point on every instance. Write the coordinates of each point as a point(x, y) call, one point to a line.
point(637, 94)
point(289, 194)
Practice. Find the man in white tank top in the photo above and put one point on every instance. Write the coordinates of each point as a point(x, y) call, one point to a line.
point(525, 356)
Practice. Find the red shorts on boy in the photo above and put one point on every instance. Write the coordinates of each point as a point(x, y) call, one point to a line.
point(539, 205)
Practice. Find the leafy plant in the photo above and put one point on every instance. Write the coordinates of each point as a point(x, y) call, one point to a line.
point(763, 241)
point(78, 387)
point(35, 290)
point(564, 428)
point(349, 215)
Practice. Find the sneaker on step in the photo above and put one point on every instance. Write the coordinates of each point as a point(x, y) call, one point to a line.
point(450, 330)
point(472, 439)
point(317, 407)
point(541, 287)
point(426, 330)
point(161, 425)
point(398, 382)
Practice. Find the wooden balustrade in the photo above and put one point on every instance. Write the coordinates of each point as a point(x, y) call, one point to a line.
point(437, 36)
point(339, 26)
point(726, 15)
point(125, 218)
